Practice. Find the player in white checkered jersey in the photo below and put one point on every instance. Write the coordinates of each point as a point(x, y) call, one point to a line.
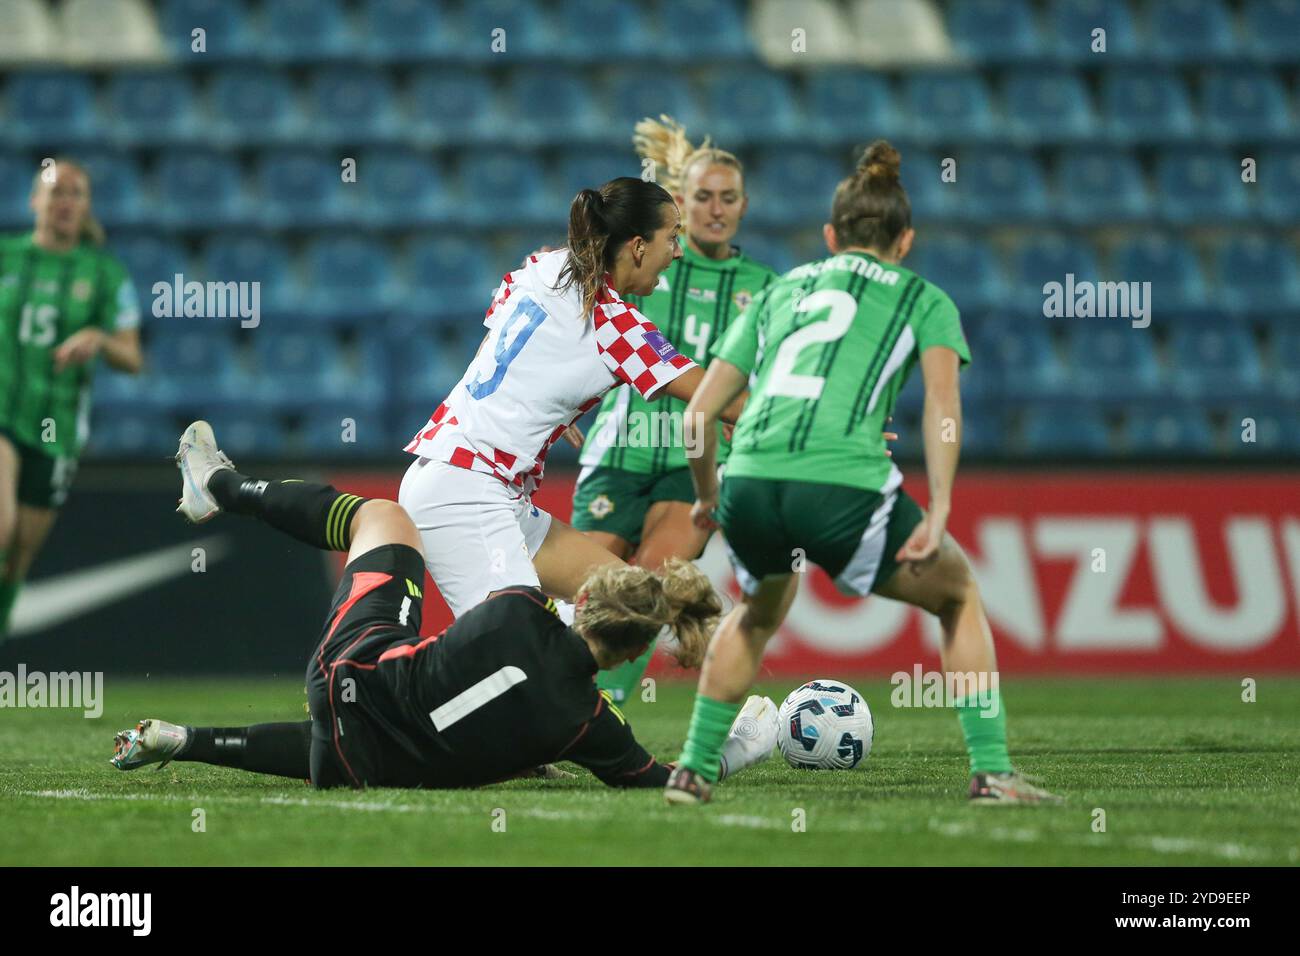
point(559, 337)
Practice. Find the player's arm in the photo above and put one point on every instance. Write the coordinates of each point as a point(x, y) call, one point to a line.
point(941, 431)
point(115, 334)
point(607, 748)
point(688, 383)
point(722, 386)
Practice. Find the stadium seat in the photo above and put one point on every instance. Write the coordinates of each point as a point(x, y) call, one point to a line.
point(793, 188)
point(948, 106)
point(407, 31)
point(452, 107)
point(1276, 430)
point(353, 106)
point(1168, 432)
point(841, 103)
point(1244, 103)
point(770, 250)
point(17, 171)
point(750, 105)
point(400, 189)
point(623, 29)
point(349, 279)
point(502, 188)
point(998, 187)
point(1064, 431)
point(30, 33)
point(828, 36)
point(1046, 106)
point(1021, 359)
point(114, 31)
point(549, 106)
point(526, 34)
point(1272, 30)
point(1145, 105)
point(239, 257)
point(994, 31)
point(589, 168)
point(347, 430)
point(1169, 265)
point(1190, 31)
point(449, 276)
point(295, 369)
point(1095, 188)
point(51, 110)
point(1285, 372)
point(150, 259)
point(249, 433)
point(964, 267)
point(1199, 185)
point(1214, 363)
point(1071, 24)
point(197, 189)
point(114, 394)
point(1258, 275)
point(116, 189)
point(304, 190)
point(200, 361)
point(226, 25)
point(130, 434)
point(1279, 173)
point(1049, 258)
point(253, 105)
point(304, 31)
point(932, 198)
point(427, 369)
point(154, 108)
point(1110, 361)
point(711, 30)
point(636, 94)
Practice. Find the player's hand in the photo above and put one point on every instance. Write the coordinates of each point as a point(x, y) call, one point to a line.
point(702, 514)
point(78, 348)
point(573, 435)
point(922, 546)
point(890, 436)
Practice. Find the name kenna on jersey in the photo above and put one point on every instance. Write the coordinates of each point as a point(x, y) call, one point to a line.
point(864, 267)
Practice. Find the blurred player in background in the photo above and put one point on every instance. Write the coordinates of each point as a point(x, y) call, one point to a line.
point(634, 497)
point(830, 345)
point(559, 337)
point(64, 300)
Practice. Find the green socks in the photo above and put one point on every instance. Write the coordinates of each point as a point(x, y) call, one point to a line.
point(624, 681)
point(986, 736)
point(8, 595)
point(710, 723)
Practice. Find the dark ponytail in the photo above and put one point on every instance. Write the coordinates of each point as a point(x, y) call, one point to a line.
point(600, 221)
point(871, 208)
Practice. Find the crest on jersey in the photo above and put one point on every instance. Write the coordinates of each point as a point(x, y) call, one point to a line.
point(742, 298)
point(600, 506)
point(80, 290)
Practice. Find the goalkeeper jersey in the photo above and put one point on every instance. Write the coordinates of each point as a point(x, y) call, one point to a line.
point(827, 348)
point(44, 298)
point(695, 301)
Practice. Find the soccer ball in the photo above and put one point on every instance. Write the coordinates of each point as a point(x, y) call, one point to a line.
point(825, 725)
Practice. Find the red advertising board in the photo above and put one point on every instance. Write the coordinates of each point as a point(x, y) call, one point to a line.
point(1080, 572)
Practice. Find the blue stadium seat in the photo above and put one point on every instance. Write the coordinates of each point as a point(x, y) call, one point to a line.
point(240, 257)
point(197, 189)
point(296, 369)
point(1278, 172)
point(793, 188)
point(636, 94)
point(349, 279)
point(248, 432)
point(983, 424)
point(550, 106)
point(1100, 188)
point(403, 31)
point(502, 188)
point(931, 197)
point(1199, 185)
point(1071, 23)
point(449, 276)
point(114, 394)
point(1065, 431)
point(427, 369)
point(1111, 361)
point(590, 168)
point(962, 266)
point(304, 31)
point(1272, 30)
point(840, 104)
point(1276, 430)
point(692, 30)
point(770, 250)
point(750, 106)
point(1285, 373)
point(131, 434)
point(1168, 432)
point(999, 186)
point(16, 174)
point(526, 35)
point(324, 433)
point(400, 189)
point(1214, 363)
point(994, 31)
point(51, 111)
point(198, 359)
point(254, 105)
point(1244, 103)
point(1145, 105)
point(225, 24)
point(150, 259)
point(948, 106)
point(1021, 359)
point(622, 27)
point(1049, 258)
point(1258, 275)
point(304, 190)
point(353, 106)
point(1169, 265)
point(1047, 106)
point(1190, 31)
point(452, 107)
point(153, 108)
point(116, 189)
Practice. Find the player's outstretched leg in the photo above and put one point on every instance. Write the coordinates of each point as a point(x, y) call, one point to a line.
point(316, 514)
point(280, 749)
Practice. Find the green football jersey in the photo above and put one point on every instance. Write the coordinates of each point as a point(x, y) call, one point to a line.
point(693, 305)
point(44, 298)
point(827, 348)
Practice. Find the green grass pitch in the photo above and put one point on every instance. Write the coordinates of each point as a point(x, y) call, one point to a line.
point(1185, 771)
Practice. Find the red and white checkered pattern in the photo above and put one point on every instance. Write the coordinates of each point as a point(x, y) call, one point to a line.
point(565, 367)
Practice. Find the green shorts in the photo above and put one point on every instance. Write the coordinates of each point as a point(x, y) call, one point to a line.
point(43, 480)
point(776, 527)
point(616, 501)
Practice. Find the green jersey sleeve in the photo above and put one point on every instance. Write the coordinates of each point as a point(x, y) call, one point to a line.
point(739, 344)
point(937, 322)
point(121, 308)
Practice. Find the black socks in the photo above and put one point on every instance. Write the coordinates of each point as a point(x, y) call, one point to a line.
point(319, 515)
point(280, 749)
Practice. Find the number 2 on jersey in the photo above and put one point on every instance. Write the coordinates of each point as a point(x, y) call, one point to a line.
point(505, 353)
point(785, 380)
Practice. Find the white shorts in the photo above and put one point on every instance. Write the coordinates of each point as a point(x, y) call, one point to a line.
point(478, 535)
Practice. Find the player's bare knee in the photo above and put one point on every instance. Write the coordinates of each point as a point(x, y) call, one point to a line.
point(386, 521)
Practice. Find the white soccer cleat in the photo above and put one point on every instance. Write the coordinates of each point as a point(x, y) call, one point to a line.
point(753, 736)
point(152, 741)
point(197, 458)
